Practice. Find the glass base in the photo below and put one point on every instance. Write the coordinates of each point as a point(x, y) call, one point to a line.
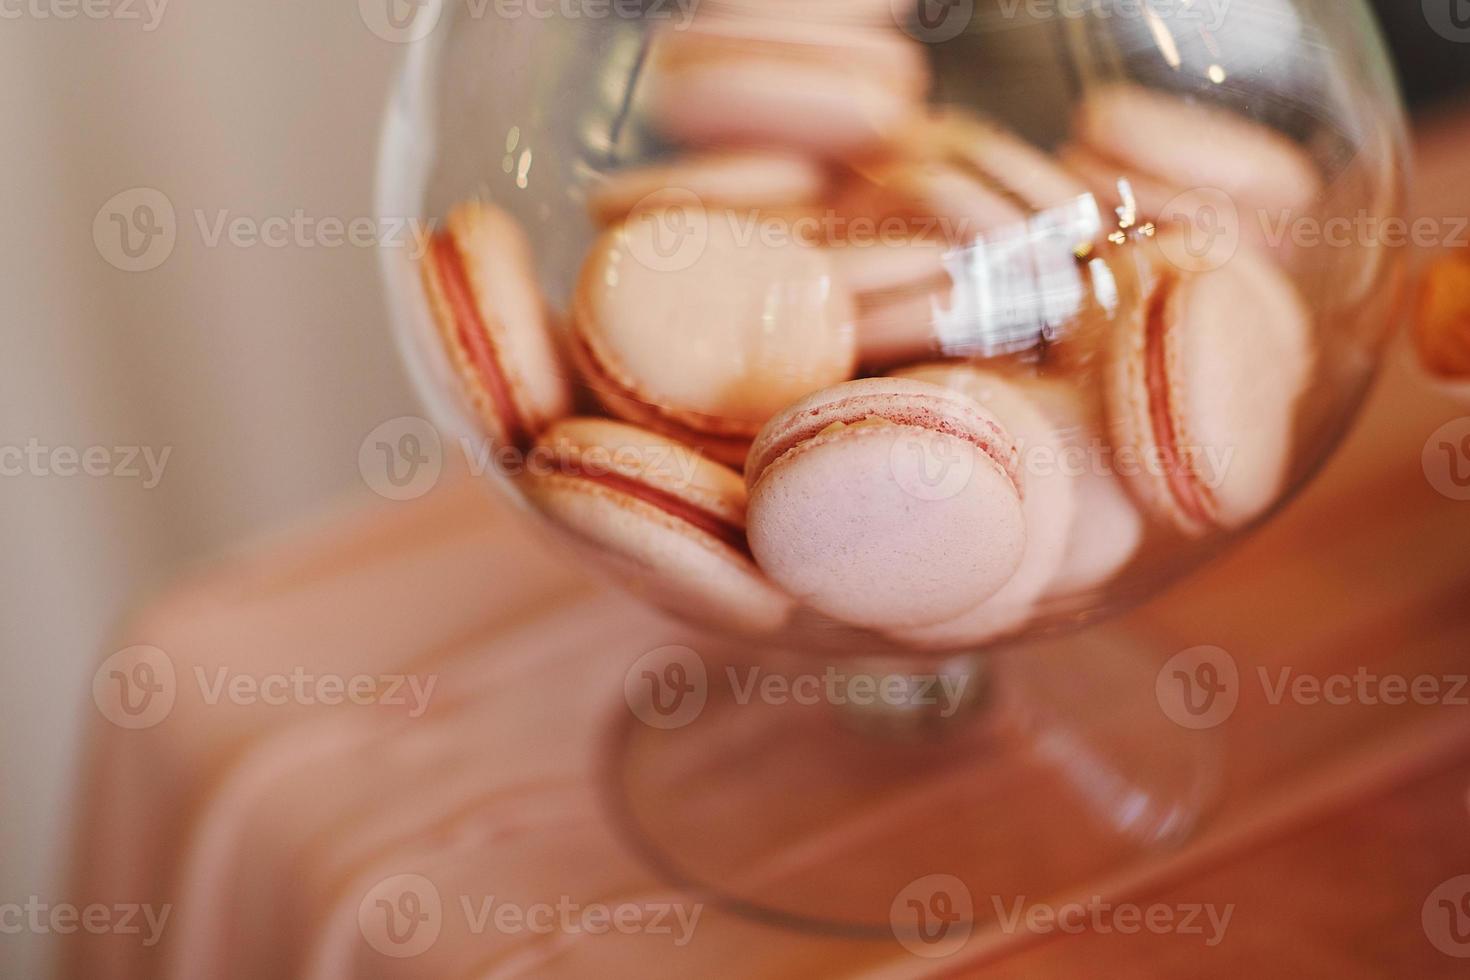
point(829, 796)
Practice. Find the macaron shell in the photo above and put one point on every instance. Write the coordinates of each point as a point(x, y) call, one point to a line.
point(1049, 503)
point(1026, 172)
point(901, 288)
point(835, 525)
point(1107, 532)
point(1150, 194)
point(1193, 145)
point(1154, 199)
point(501, 273)
point(1237, 356)
point(770, 181)
point(925, 198)
point(1107, 529)
point(728, 449)
point(1241, 367)
point(604, 446)
point(724, 342)
point(902, 327)
point(887, 265)
point(860, 12)
point(752, 82)
point(902, 401)
point(660, 557)
point(1130, 419)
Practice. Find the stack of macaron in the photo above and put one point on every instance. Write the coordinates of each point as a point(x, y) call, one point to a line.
point(741, 424)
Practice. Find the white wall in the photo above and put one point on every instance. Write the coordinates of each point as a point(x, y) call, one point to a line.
point(262, 369)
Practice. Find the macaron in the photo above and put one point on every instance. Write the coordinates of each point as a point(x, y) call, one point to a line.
point(768, 180)
point(1049, 504)
point(878, 13)
point(886, 503)
point(901, 289)
point(1202, 388)
point(959, 177)
point(832, 90)
point(1107, 529)
point(1165, 145)
point(1019, 290)
point(1442, 324)
point(707, 344)
point(668, 522)
point(480, 280)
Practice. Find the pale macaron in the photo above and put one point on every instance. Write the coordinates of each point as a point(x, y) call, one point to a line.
point(871, 13)
point(1165, 145)
point(901, 288)
point(1008, 221)
point(886, 503)
point(959, 177)
point(667, 521)
point(1049, 504)
point(1442, 321)
point(830, 90)
point(707, 348)
point(480, 280)
point(1202, 390)
point(1016, 292)
point(1107, 529)
point(767, 181)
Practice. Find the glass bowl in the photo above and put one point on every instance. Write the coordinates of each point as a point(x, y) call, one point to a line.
point(1125, 261)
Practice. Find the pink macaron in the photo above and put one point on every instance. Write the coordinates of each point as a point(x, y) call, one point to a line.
point(1107, 529)
point(1202, 390)
point(827, 89)
point(707, 341)
point(1008, 220)
point(1049, 503)
point(901, 287)
point(872, 13)
point(669, 523)
point(769, 181)
point(956, 176)
point(1178, 155)
point(886, 503)
point(1020, 290)
point(479, 278)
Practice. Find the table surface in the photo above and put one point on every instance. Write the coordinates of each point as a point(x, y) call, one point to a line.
point(267, 828)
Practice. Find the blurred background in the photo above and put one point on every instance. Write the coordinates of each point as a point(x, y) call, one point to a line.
point(222, 393)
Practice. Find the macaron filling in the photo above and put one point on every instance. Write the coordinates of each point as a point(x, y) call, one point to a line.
point(865, 412)
point(1189, 494)
point(723, 530)
point(473, 334)
point(862, 413)
point(654, 415)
